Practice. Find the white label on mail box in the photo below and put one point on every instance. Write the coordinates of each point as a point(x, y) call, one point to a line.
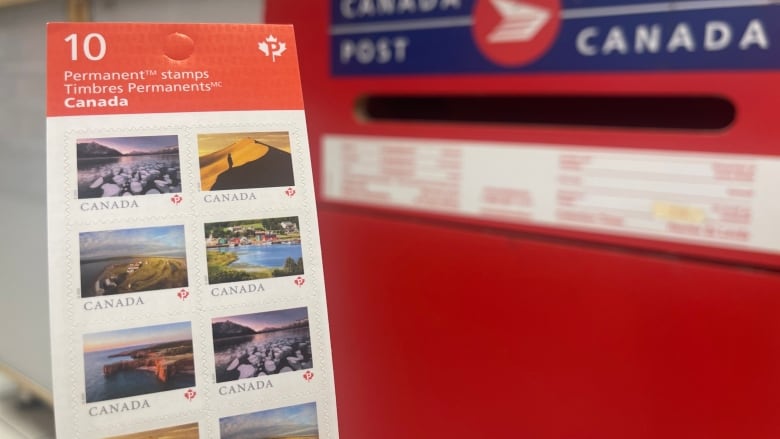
point(724, 200)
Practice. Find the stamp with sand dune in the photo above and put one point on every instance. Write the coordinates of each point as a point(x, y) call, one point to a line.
point(235, 161)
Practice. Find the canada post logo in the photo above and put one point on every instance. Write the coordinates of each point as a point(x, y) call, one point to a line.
point(515, 32)
point(481, 36)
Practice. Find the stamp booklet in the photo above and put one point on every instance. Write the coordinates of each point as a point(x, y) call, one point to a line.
point(185, 276)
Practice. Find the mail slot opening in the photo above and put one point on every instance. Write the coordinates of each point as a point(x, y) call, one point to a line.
point(652, 112)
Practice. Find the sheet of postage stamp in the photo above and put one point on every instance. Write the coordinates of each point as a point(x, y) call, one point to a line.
point(186, 289)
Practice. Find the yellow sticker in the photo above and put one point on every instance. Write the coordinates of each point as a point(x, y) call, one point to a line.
point(677, 212)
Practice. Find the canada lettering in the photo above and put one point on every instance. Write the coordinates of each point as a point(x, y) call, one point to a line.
point(110, 303)
point(118, 407)
point(351, 9)
point(111, 204)
point(245, 387)
point(219, 198)
point(649, 39)
point(237, 289)
point(115, 101)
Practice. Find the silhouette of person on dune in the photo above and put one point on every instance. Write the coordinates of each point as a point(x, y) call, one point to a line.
point(272, 169)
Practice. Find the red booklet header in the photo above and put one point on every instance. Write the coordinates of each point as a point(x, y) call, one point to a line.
point(97, 69)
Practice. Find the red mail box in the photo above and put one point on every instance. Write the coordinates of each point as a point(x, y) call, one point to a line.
point(546, 219)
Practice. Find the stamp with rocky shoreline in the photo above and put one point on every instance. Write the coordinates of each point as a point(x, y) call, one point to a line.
point(132, 260)
point(261, 344)
point(138, 361)
point(128, 166)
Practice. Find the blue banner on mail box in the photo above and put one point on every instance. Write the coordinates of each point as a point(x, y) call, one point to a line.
point(377, 37)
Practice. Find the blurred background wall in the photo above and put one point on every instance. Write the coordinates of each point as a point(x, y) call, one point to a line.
point(24, 339)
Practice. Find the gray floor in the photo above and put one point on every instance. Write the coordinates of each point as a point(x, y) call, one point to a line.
point(20, 419)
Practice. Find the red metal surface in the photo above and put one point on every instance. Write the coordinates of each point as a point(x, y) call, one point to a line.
point(454, 333)
point(443, 327)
